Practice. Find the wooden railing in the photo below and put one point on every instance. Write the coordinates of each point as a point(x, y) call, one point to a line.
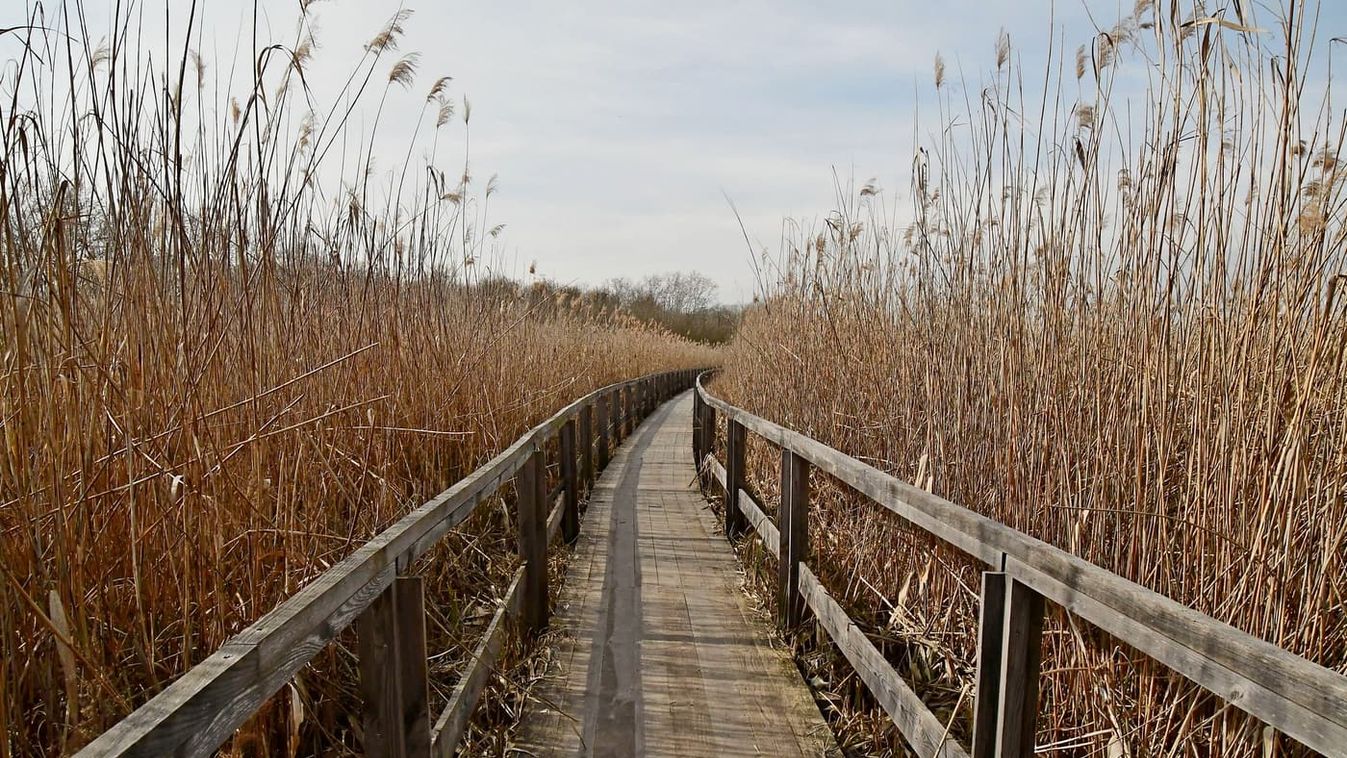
point(1295, 696)
point(372, 588)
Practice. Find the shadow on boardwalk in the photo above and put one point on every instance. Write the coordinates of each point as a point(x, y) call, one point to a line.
point(658, 653)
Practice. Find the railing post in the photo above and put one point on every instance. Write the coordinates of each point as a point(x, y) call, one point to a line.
point(587, 445)
point(697, 430)
point(708, 443)
point(735, 438)
point(531, 487)
point(570, 514)
point(991, 625)
point(391, 646)
point(794, 528)
point(602, 406)
point(628, 412)
point(1021, 648)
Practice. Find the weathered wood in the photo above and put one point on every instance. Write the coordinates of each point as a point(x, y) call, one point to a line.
point(922, 730)
point(452, 723)
point(531, 495)
point(767, 531)
point(554, 516)
point(586, 443)
point(1314, 727)
point(380, 691)
point(1017, 692)
point(628, 412)
point(409, 592)
point(991, 625)
point(658, 652)
point(391, 646)
point(601, 409)
point(793, 516)
point(697, 419)
point(1297, 697)
point(570, 521)
point(735, 442)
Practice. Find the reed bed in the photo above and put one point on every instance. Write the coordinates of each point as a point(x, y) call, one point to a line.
point(1113, 316)
point(233, 350)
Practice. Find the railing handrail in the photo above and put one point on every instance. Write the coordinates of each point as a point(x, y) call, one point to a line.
point(200, 710)
point(1298, 697)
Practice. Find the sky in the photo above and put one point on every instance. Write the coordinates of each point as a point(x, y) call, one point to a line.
point(621, 131)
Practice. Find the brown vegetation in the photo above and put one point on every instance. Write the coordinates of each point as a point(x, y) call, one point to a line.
point(216, 382)
point(1118, 324)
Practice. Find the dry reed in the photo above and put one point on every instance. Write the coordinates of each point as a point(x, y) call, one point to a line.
point(230, 356)
point(1115, 322)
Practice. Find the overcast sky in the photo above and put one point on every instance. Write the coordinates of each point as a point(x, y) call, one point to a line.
point(617, 129)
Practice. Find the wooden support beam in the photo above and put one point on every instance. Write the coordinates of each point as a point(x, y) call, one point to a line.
point(602, 407)
point(708, 443)
point(793, 518)
point(586, 442)
point(531, 486)
point(696, 430)
point(1021, 649)
point(570, 518)
point(391, 645)
point(925, 733)
point(991, 625)
point(629, 413)
point(735, 442)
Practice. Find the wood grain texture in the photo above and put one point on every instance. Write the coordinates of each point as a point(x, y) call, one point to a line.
point(921, 729)
point(762, 524)
point(1295, 696)
point(793, 518)
point(586, 442)
point(604, 430)
point(735, 444)
point(1017, 690)
point(413, 664)
point(380, 688)
point(570, 482)
point(530, 500)
point(659, 653)
point(986, 702)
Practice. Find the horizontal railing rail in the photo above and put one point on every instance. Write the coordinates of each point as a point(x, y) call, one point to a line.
point(1295, 696)
point(373, 590)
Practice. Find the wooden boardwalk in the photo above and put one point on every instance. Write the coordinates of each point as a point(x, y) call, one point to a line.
point(658, 651)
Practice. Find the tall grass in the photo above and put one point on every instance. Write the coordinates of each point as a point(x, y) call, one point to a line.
point(232, 351)
point(1114, 317)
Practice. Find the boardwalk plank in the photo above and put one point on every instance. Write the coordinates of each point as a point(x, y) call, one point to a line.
point(658, 653)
